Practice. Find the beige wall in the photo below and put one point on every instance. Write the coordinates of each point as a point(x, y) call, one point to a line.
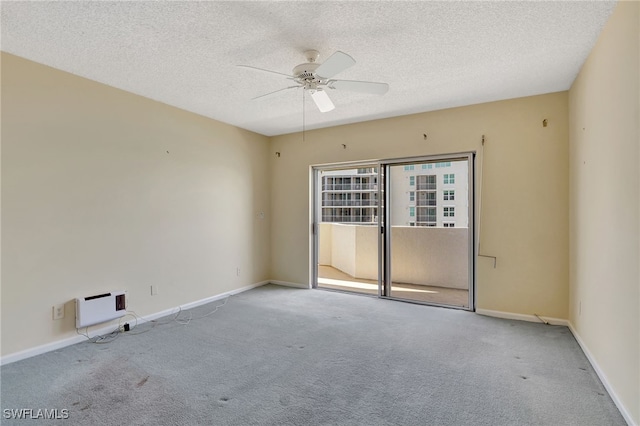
point(105, 190)
point(605, 204)
point(524, 201)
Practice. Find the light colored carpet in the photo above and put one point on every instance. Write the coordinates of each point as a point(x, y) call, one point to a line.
point(283, 356)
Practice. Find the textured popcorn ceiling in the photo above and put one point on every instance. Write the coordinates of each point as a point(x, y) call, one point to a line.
point(434, 55)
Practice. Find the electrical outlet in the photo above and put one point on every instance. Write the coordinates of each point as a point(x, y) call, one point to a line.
point(58, 311)
point(154, 290)
point(238, 271)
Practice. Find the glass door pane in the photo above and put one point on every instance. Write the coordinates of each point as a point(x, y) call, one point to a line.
point(430, 232)
point(347, 229)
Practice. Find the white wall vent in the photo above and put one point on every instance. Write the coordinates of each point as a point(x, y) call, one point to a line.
point(100, 308)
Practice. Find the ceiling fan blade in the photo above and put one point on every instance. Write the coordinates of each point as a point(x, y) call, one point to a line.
point(263, 70)
point(322, 100)
point(275, 91)
point(335, 64)
point(360, 86)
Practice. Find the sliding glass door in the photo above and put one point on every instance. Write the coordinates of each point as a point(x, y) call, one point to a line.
point(429, 231)
point(399, 229)
point(346, 228)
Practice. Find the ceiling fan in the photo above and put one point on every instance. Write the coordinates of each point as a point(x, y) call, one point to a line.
point(316, 79)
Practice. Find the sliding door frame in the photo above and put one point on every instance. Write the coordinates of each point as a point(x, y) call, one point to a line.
point(385, 244)
point(384, 218)
point(316, 205)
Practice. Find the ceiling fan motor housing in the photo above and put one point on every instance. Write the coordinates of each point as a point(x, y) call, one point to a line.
point(305, 71)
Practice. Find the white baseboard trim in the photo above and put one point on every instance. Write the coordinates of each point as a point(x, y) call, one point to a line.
point(523, 317)
point(288, 284)
point(603, 377)
point(49, 347)
point(38, 350)
point(201, 302)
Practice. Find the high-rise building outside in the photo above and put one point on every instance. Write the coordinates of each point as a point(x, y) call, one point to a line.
point(422, 194)
point(350, 196)
point(430, 194)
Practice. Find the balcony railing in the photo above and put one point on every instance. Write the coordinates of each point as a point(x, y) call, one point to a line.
point(349, 219)
point(350, 187)
point(421, 186)
point(348, 203)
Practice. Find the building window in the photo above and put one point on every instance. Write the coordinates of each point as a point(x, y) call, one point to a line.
point(449, 178)
point(449, 212)
point(408, 168)
point(426, 216)
point(449, 225)
point(449, 195)
point(426, 166)
point(426, 198)
point(412, 180)
point(412, 224)
point(412, 196)
point(412, 211)
point(426, 182)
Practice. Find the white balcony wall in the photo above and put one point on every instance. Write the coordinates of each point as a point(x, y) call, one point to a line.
point(420, 255)
point(367, 252)
point(324, 243)
point(343, 248)
point(430, 256)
